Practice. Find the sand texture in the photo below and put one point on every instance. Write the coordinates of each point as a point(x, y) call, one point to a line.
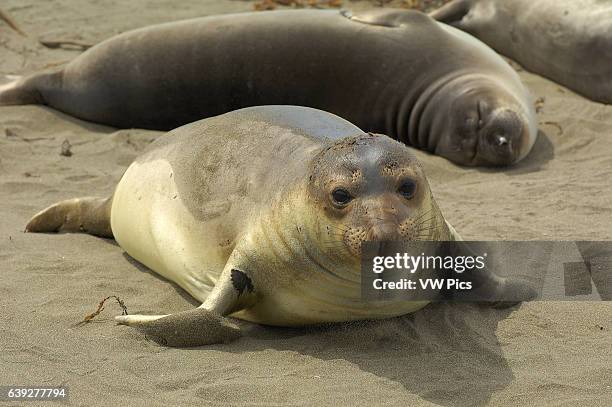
point(541, 353)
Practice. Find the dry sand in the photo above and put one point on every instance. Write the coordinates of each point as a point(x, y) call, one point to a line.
point(541, 353)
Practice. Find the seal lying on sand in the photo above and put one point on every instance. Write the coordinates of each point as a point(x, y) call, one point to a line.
point(568, 41)
point(261, 213)
point(394, 72)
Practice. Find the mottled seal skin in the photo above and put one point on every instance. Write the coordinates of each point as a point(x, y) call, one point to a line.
point(395, 72)
point(260, 214)
point(568, 41)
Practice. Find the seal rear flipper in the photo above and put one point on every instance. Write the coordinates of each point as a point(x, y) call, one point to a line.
point(29, 90)
point(452, 13)
point(11, 93)
point(79, 215)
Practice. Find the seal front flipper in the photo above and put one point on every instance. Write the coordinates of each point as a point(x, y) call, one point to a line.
point(512, 292)
point(386, 17)
point(205, 325)
point(452, 13)
point(194, 327)
point(486, 286)
point(501, 292)
point(493, 290)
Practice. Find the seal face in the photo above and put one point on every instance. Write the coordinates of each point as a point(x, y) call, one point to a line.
point(482, 125)
point(275, 239)
point(370, 188)
point(568, 41)
point(395, 72)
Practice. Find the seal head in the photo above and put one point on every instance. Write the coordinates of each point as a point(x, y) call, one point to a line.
point(372, 188)
point(481, 124)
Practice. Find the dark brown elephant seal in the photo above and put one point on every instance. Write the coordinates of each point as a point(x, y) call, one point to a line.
point(260, 214)
point(394, 72)
point(568, 41)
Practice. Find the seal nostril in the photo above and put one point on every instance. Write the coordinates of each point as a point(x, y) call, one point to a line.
point(502, 141)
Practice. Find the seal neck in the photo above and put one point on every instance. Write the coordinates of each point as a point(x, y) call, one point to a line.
point(293, 230)
point(418, 128)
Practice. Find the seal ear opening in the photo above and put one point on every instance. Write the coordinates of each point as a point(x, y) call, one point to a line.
point(451, 13)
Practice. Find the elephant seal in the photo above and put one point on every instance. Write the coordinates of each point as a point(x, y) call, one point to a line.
point(260, 214)
point(399, 73)
point(568, 41)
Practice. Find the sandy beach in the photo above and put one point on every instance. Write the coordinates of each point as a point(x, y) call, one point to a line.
point(536, 354)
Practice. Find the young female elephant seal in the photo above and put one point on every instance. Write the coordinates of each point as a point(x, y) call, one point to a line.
point(261, 213)
point(394, 72)
point(568, 41)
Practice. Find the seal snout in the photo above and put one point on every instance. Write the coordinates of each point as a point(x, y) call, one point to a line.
point(501, 138)
point(370, 189)
point(501, 141)
point(502, 144)
point(384, 231)
point(354, 237)
point(417, 226)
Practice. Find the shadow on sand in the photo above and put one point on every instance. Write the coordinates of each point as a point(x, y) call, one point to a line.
point(542, 152)
point(436, 353)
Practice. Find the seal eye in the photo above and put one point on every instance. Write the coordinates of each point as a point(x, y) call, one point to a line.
point(407, 189)
point(341, 197)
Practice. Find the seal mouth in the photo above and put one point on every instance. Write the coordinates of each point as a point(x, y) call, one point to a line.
point(494, 150)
